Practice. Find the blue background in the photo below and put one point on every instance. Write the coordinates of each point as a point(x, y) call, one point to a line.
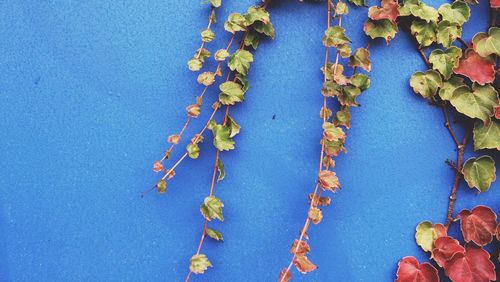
point(91, 89)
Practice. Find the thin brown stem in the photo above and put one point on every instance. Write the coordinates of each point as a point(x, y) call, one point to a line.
point(464, 44)
point(211, 18)
point(458, 176)
point(447, 124)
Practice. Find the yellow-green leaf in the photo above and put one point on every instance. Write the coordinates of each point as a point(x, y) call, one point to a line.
point(478, 103)
point(479, 172)
point(487, 44)
point(487, 136)
point(214, 234)
point(240, 61)
point(445, 61)
point(231, 93)
point(199, 264)
point(212, 208)
point(426, 84)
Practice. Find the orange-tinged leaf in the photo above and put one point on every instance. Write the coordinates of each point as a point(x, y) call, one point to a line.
point(300, 249)
point(410, 270)
point(495, 4)
point(315, 215)
point(478, 225)
point(497, 112)
point(328, 180)
point(174, 139)
point(476, 68)
point(303, 264)
point(445, 248)
point(285, 275)
point(157, 166)
point(389, 11)
point(472, 265)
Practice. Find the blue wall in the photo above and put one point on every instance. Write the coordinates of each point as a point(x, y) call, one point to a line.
point(91, 89)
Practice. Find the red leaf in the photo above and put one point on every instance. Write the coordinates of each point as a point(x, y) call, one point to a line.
point(477, 68)
point(389, 10)
point(303, 248)
point(497, 110)
point(472, 266)
point(285, 275)
point(409, 270)
point(498, 232)
point(303, 264)
point(157, 166)
point(441, 231)
point(478, 226)
point(328, 180)
point(495, 3)
point(445, 248)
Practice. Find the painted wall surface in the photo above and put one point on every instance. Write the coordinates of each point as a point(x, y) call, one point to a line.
point(91, 89)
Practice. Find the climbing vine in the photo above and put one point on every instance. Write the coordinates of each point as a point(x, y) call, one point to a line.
point(249, 28)
point(459, 81)
point(344, 90)
point(460, 77)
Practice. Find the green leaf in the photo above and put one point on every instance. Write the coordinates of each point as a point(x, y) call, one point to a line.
point(195, 64)
point(222, 139)
point(426, 84)
point(332, 133)
point(335, 36)
point(487, 136)
point(214, 234)
point(449, 87)
point(193, 150)
point(426, 235)
point(221, 170)
point(480, 103)
point(161, 186)
point(344, 50)
point(361, 81)
point(424, 32)
point(221, 55)
point(457, 13)
point(341, 8)
point(447, 33)
point(244, 82)
point(256, 14)
point(358, 3)
point(235, 22)
point(206, 78)
point(408, 6)
point(419, 10)
point(445, 61)
point(231, 93)
point(215, 3)
point(349, 95)
point(343, 117)
point(212, 208)
point(207, 35)
point(235, 128)
point(426, 13)
point(202, 54)
point(199, 263)
point(264, 28)
point(380, 29)
point(240, 61)
point(252, 39)
point(487, 44)
point(361, 58)
point(479, 172)
point(330, 89)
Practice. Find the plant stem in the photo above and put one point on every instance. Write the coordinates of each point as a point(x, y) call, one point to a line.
point(447, 124)
point(458, 176)
point(464, 44)
point(211, 18)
